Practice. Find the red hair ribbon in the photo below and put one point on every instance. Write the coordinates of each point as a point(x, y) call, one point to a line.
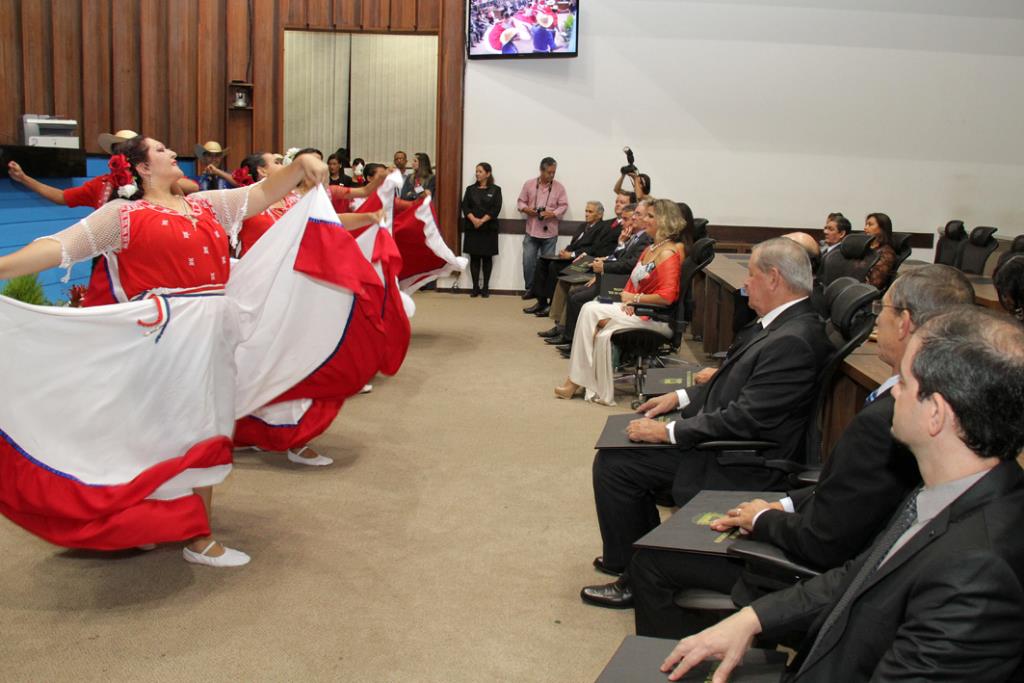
point(242, 176)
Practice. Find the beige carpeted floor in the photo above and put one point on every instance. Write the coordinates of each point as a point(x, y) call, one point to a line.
point(448, 542)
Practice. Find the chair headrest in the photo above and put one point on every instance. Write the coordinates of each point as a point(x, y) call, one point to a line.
point(836, 287)
point(700, 224)
point(981, 235)
point(900, 241)
point(852, 307)
point(955, 230)
point(1017, 245)
point(703, 249)
point(855, 245)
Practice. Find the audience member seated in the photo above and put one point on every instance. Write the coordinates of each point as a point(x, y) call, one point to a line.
point(764, 390)
point(938, 595)
point(837, 226)
point(654, 281)
point(865, 478)
point(879, 227)
point(632, 242)
point(1009, 282)
point(562, 288)
point(594, 238)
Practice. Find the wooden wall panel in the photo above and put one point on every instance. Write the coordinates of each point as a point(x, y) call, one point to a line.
point(376, 15)
point(318, 14)
point(211, 72)
point(265, 35)
point(428, 15)
point(96, 67)
point(294, 13)
point(11, 92)
point(66, 26)
point(154, 83)
point(451, 66)
point(403, 15)
point(37, 57)
point(348, 15)
point(239, 124)
point(126, 85)
point(182, 74)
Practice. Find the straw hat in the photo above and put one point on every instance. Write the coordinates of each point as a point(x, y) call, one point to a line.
point(545, 19)
point(210, 147)
point(107, 140)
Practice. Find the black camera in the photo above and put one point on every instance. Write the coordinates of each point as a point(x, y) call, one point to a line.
point(540, 208)
point(630, 167)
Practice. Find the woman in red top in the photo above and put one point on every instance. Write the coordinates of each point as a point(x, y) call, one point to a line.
point(288, 425)
point(162, 240)
point(654, 281)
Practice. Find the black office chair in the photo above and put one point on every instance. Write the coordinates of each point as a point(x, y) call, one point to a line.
point(901, 245)
point(700, 228)
point(1016, 249)
point(975, 250)
point(851, 321)
point(641, 348)
point(854, 258)
point(950, 240)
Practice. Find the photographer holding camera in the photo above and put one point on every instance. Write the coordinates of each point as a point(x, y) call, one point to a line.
point(641, 181)
point(544, 201)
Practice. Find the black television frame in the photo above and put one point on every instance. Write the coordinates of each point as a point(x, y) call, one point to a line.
point(528, 55)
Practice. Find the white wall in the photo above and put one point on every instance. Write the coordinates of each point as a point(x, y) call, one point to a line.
point(772, 112)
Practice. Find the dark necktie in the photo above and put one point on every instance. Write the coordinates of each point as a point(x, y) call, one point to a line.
point(903, 521)
point(743, 336)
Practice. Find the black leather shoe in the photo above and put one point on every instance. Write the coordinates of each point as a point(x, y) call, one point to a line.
point(542, 312)
point(528, 295)
point(486, 293)
point(558, 341)
point(565, 353)
point(616, 595)
point(564, 347)
point(555, 332)
point(599, 566)
point(533, 309)
point(474, 294)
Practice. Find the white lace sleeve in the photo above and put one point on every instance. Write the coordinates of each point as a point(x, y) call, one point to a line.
point(229, 206)
point(97, 233)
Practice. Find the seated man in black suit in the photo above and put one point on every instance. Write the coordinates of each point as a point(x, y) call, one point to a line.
point(938, 595)
point(764, 390)
point(594, 238)
point(619, 262)
point(867, 471)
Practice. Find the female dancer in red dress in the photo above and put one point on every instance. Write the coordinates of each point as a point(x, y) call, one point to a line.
point(288, 425)
point(162, 240)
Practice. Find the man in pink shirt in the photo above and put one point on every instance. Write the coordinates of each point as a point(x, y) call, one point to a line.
point(544, 201)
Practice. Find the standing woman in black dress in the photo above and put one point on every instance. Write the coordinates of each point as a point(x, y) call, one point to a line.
point(481, 205)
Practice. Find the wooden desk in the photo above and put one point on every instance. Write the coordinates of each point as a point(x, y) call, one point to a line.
point(985, 292)
point(722, 282)
point(861, 373)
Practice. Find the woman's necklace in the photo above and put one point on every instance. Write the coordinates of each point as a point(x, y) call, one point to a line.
point(655, 247)
point(188, 212)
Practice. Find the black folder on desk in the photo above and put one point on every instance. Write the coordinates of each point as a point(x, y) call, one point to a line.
point(688, 530)
point(658, 381)
point(614, 433)
point(638, 660)
point(579, 265)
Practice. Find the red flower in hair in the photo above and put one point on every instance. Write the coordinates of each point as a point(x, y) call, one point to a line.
point(120, 170)
point(242, 176)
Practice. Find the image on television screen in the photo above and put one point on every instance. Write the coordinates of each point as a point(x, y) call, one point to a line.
point(522, 28)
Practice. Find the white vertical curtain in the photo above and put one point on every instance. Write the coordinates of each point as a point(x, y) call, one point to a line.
point(394, 96)
point(316, 84)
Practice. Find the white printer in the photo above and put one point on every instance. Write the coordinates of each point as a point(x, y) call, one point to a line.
point(42, 130)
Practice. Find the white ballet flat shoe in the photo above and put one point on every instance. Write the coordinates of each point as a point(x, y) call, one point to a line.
point(230, 558)
point(367, 388)
point(146, 547)
point(318, 461)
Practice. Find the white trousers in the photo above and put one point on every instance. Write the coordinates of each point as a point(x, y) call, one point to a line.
point(590, 364)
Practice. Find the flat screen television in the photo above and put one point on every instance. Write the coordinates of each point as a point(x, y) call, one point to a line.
point(517, 29)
